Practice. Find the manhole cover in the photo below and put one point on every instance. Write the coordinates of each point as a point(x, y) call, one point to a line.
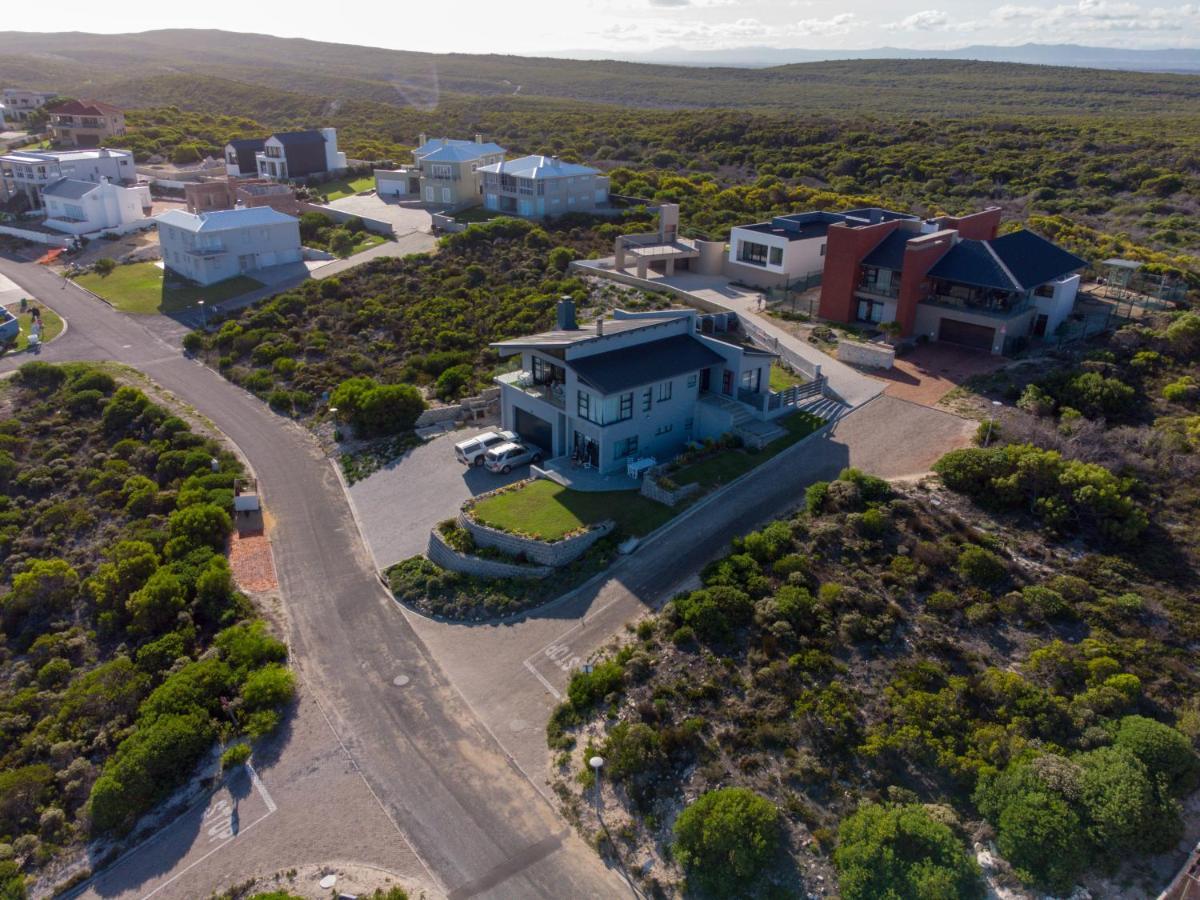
point(328, 882)
point(400, 680)
point(518, 725)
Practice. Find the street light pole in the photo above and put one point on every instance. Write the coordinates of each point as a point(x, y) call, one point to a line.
point(596, 762)
point(203, 315)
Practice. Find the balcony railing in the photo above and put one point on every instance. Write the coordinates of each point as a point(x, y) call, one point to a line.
point(999, 311)
point(553, 393)
point(881, 290)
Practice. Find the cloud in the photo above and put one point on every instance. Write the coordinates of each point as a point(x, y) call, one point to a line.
point(670, 4)
point(925, 20)
point(1092, 16)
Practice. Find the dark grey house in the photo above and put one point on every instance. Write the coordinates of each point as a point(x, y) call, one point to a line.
point(240, 156)
point(299, 154)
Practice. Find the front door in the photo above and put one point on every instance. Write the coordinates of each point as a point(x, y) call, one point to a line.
point(727, 383)
point(1039, 325)
point(584, 448)
point(705, 379)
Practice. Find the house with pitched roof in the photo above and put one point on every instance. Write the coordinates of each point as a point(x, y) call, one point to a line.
point(292, 155)
point(85, 123)
point(28, 172)
point(444, 172)
point(639, 384)
point(540, 186)
point(241, 157)
point(213, 246)
point(86, 207)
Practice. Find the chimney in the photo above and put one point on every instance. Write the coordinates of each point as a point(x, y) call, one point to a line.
point(422, 140)
point(566, 315)
point(478, 138)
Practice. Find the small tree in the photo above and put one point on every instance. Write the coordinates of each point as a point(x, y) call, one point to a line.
point(726, 839)
point(104, 266)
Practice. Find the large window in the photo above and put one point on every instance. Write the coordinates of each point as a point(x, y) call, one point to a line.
point(625, 448)
point(441, 171)
point(777, 256)
point(664, 391)
point(755, 254)
point(584, 407)
point(625, 410)
point(647, 400)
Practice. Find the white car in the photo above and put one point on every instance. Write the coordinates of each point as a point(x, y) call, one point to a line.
point(506, 456)
point(471, 452)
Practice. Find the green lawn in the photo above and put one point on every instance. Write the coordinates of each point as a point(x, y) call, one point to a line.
point(368, 241)
point(548, 510)
point(140, 288)
point(344, 187)
point(52, 327)
point(729, 464)
point(782, 379)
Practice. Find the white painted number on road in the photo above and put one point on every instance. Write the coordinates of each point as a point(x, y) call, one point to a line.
point(219, 822)
point(560, 655)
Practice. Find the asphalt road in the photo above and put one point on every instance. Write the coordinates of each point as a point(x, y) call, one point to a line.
point(461, 804)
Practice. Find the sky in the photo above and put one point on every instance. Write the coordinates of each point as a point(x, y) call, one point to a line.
point(532, 26)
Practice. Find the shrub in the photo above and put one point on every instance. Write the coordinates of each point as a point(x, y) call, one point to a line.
point(814, 497)
point(1162, 749)
point(453, 382)
point(902, 852)
point(981, 567)
point(1094, 395)
point(586, 688)
point(1044, 603)
point(632, 749)
point(726, 839)
point(1182, 390)
point(713, 612)
point(104, 266)
point(193, 342)
point(235, 755)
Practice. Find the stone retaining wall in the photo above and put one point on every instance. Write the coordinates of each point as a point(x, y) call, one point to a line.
point(545, 553)
point(871, 355)
point(652, 490)
point(470, 409)
point(447, 557)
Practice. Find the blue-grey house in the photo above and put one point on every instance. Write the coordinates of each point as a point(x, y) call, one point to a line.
point(638, 385)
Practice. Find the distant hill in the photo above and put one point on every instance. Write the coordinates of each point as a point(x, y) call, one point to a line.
point(130, 69)
point(1075, 55)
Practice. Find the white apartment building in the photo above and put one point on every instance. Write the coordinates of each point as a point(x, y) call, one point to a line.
point(87, 207)
point(19, 103)
point(214, 246)
point(29, 171)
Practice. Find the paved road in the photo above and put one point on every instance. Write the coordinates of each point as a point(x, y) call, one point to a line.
point(462, 806)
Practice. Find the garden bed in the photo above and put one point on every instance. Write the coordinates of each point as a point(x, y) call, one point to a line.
point(718, 463)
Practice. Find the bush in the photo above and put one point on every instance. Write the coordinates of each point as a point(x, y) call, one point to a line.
point(235, 755)
point(453, 382)
point(104, 266)
point(814, 497)
point(1162, 749)
point(1094, 395)
point(902, 852)
point(193, 342)
point(726, 839)
point(377, 409)
point(586, 688)
point(980, 567)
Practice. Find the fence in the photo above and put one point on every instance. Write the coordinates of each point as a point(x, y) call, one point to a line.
point(790, 358)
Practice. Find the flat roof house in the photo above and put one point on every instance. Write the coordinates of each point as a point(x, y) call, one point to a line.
point(241, 157)
point(444, 171)
point(85, 123)
point(28, 171)
point(214, 246)
point(949, 279)
point(637, 385)
point(539, 186)
point(19, 104)
point(86, 207)
point(289, 155)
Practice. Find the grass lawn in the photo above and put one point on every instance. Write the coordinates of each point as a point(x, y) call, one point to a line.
point(548, 511)
point(52, 327)
point(344, 187)
point(140, 288)
point(369, 240)
point(782, 379)
point(727, 465)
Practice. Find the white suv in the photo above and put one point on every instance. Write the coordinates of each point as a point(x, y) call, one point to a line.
point(504, 457)
point(471, 452)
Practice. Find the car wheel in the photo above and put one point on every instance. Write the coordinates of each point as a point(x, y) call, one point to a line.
point(506, 469)
point(478, 461)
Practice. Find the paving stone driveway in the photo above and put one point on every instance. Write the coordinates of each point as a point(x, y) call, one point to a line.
point(397, 506)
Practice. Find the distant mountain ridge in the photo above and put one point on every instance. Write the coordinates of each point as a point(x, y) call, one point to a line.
point(1075, 55)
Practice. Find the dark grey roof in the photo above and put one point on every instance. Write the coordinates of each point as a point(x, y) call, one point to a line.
point(889, 254)
point(798, 232)
point(970, 262)
point(70, 189)
point(247, 143)
point(1032, 259)
point(629, 367)
point(295, 138)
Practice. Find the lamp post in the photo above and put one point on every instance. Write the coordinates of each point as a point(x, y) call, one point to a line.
point(991, 421)
point(596, 762)
point(203, 315)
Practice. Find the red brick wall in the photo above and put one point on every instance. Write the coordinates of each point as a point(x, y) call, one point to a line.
point(980, 226)
point(919, 257)
point(845, 248)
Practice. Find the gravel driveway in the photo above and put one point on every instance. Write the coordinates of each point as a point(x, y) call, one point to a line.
point(396, 507)
point(404, 218)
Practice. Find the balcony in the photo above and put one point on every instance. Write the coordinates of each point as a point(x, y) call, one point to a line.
point(891, 291)
point(553, 393)
point(999, 309)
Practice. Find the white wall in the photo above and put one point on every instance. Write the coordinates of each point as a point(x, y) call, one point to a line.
point(219, 256)
point(798, 258)
point(334, 161)
point(109, 206)
point(1057, 308)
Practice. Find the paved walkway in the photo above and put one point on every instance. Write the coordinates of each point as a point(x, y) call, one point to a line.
point(851, 385)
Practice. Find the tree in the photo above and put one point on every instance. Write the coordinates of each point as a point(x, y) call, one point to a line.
point(1125, 811)
point(902, 853)
point(389, 409)
point(453, 382)
point(198, 525)
point(104, 266)
point(46, 587)
point(21, 792)
point(153, 607)
point(1162, 749)
point(726, 839)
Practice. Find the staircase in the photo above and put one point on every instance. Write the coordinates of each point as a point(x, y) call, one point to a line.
point(754, 432)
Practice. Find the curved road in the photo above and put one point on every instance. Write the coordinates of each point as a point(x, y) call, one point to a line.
point(467, 812)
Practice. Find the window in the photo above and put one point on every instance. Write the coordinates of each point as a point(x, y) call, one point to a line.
point(691, 382)
point(822, 249)
point(755, 254)
point(1044, 290)
point(646, 400)
point(446, 195)
point(687, 424)
point(664, 429)
point(625, 410)
point(664, 391)
point(777, 256)
point(584, 406)
point(441, 171)
point(625, 448)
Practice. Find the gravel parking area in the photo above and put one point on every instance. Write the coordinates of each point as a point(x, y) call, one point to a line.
point(404, 218)
point(926, 374)
point(397, 506)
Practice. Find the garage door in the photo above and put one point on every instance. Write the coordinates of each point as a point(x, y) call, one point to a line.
point(535, 430)
point(966, 333)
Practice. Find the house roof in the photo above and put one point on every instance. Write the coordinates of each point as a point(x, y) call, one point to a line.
point(247, 143)
point(1032, 259)
point(70, 188)
point(539, 167)
point(560, 339)
point(629, 367)
point(299, 138)
point(889, 253)
point(85, 108)
point(799, 232)
point(453, 150)
point(971, 262)
point(223, 219)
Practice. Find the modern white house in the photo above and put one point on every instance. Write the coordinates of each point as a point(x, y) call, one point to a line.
point(29, 171)
point(638, 385)
point(539, 186)
point(213, 246)
point(19, 104)
point(291, 155)
point(87, 207)
point(444, 172)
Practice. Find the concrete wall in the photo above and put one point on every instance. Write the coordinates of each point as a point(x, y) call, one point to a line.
point(469, 409)
point(376, 225)
point(711, 260)
point(871, 355)
point(447, 557)
point(38, 237)
point(1057, 308)
point(544, 553)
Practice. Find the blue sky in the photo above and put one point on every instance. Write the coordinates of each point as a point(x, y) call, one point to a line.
point(525, 26)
